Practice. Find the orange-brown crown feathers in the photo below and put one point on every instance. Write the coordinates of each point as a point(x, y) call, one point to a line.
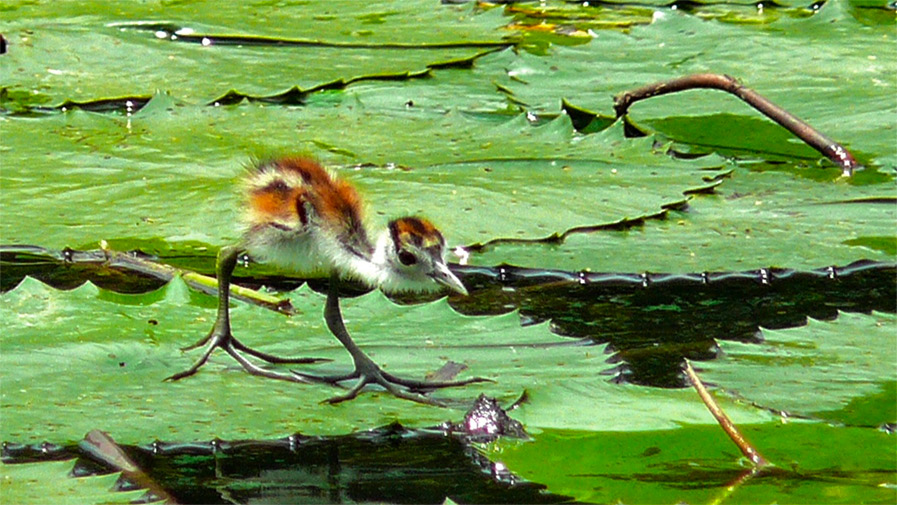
point(415, 257)
point(283, 191)
point(415, 231)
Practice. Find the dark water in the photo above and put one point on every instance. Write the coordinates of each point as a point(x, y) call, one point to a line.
point(390, 464)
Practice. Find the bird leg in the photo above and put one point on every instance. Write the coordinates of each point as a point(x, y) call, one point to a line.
point(221, 336)
point(368, 372)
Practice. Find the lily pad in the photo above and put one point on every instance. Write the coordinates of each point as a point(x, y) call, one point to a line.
point(101, 362)
point(142, 50)
point(50, 483)
point(842, 100)
point(823, 370)
point(171, 171)
point(371, 94)
point(762, 219)
point(700, 465)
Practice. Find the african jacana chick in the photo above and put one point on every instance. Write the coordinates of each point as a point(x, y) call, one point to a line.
point(301, 217)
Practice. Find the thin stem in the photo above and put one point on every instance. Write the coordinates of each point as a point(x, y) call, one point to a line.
point(195, 280)
point(210, 284)
point(728, 426)
point(828, 147)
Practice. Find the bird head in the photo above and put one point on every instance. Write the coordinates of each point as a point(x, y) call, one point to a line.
point(413, 252)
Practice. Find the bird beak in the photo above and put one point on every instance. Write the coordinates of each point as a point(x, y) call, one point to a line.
point(444, 276)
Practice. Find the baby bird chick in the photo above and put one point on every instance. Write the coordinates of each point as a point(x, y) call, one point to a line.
point(306, 220)
point(301, 217)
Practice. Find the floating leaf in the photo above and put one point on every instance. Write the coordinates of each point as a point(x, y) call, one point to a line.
point(101, 362)
point(698, 464)
point(50, 483)
point(766, 219)
point(824, 369)
point(144, 56)
point(171, 172)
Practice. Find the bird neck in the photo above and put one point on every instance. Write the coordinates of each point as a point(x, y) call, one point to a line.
point(372, 266)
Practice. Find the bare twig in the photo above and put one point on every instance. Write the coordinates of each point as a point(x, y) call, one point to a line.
point(746, 448)
point(828, 147)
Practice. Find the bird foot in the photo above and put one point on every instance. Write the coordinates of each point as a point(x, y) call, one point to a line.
point(368, 372)
point(227, 342)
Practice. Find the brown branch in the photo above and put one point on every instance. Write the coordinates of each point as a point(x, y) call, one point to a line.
point(728, 426)
point(828, 147)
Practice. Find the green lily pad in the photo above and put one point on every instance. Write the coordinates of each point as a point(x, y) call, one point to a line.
point(699, 464)
point(51, 483)
point(754, 220)
point(133, 43)
point(84, 359)
point(178, 179)
point(409, 108)
point(841, 100)
point(823, 369)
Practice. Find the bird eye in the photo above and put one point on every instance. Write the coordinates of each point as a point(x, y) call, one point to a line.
point(406, 258)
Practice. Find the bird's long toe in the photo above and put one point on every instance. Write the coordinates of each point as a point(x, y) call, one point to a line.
point(425, 385)
point(276, 360)
point(407, 389)
point(333, 380)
